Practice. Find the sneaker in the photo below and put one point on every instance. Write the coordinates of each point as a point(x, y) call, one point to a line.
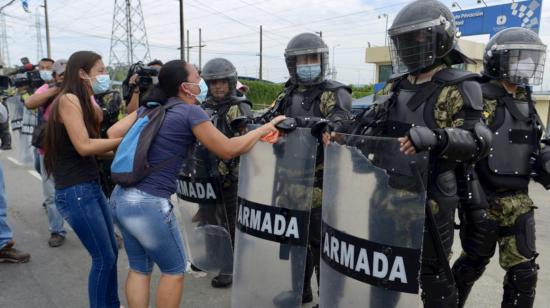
point(56, 240)
point(12, 255)
point(222, 281)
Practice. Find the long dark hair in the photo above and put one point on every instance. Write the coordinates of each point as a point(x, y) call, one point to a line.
point(171, 76)
point(55, 137)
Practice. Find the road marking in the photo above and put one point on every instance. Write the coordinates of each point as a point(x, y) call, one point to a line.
point(15, 161)
point(35, 174)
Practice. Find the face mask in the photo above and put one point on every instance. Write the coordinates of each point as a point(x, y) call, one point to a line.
point(155, 80)
point(525, 68)
point(201, 97)
point(101, 84)
point(46, 75)
point(308, 72)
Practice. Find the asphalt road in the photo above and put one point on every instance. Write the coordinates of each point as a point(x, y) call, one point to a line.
point(57, 277)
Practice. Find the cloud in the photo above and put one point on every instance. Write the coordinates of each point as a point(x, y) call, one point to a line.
point(230, 28)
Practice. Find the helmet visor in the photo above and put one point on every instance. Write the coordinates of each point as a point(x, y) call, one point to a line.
point(522, 65)
point(412, 51)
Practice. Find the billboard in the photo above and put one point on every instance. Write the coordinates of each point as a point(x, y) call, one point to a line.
point(492, 19)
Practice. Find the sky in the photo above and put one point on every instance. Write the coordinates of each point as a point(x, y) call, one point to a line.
point(230, 29)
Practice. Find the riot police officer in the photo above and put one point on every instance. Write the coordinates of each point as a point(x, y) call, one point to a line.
point(225, 109)
point(436, 108)
point(513, 62)
point(309, 97)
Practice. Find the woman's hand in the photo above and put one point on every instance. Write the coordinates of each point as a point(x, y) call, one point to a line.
point(270, 127)
point(406, 146)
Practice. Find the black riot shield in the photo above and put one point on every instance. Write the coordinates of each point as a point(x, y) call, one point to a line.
point(373, 218)
point(275, 196)
point(203, 214)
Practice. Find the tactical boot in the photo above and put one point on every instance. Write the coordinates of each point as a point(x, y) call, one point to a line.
point(222, 281)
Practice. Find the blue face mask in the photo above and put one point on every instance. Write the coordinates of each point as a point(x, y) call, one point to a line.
point(201, 97)
point(101, 84)
point(46, 75)
point(308, 72)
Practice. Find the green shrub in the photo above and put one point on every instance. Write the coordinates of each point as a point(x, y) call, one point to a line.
point(262, 94)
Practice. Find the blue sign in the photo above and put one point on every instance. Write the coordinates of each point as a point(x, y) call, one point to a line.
point(492, 19)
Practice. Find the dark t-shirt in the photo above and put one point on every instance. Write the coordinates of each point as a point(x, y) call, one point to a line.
point(174, 138)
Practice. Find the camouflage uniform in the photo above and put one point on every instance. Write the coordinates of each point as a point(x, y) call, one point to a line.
point(329, 100)
point(222, 114)
point(113, 109)
point(505, 211)
point(437, 104)
point(507, 207)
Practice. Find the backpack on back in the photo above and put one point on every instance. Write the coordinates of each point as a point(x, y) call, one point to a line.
point(131, 164)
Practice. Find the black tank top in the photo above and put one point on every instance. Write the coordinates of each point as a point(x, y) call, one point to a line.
point(70, 168)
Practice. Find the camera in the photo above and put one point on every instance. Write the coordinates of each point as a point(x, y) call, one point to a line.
point(27, 75)
point(143, 82)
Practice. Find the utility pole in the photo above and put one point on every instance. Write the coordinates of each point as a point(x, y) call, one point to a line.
point(39, 46)
point(4, 51)
point(200, 48)
point(188, 46)
point(47, 24)
point(261, 52)
point(182, 31)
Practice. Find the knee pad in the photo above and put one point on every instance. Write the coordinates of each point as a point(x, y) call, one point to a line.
point(520, 283)
point(525, 235)
point(478, 233)
point(438, 291)
point(467, 270)
point(444, 220)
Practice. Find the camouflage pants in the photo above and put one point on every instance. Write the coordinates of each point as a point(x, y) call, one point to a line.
point(506, 210)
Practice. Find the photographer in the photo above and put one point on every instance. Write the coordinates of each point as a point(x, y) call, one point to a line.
point(5, 134)
point(7, 252)
point(141, 78)
point(42, 99)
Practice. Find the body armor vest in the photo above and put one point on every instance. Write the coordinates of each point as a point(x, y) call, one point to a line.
point(514, 139)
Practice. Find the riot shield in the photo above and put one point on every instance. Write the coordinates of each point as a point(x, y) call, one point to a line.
point(373, 218)
point(275, 196)
point(203, 215)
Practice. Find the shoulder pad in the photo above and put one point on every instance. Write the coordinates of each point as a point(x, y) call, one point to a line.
point(241, 100)
point(492, 91)
point(394, 77)
point(450, 76)
point(333, 86)
point(470, 90)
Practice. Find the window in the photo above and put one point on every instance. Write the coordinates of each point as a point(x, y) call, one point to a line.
point(384, 72)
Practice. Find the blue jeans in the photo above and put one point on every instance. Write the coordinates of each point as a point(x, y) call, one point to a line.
point(150, 231)
point(85, 208)
point(55, 220)
point(5, 232)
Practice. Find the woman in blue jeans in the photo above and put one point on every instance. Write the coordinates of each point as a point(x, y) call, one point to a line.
point(144, 212)
point(71, 144)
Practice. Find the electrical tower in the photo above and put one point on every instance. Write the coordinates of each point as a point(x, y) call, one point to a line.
point(4, 52)
point(129, 42)
point(39, 46)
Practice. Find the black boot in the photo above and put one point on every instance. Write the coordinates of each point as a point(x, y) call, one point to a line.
point(222, 281)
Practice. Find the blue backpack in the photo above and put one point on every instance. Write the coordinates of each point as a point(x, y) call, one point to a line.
point(131, 163)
